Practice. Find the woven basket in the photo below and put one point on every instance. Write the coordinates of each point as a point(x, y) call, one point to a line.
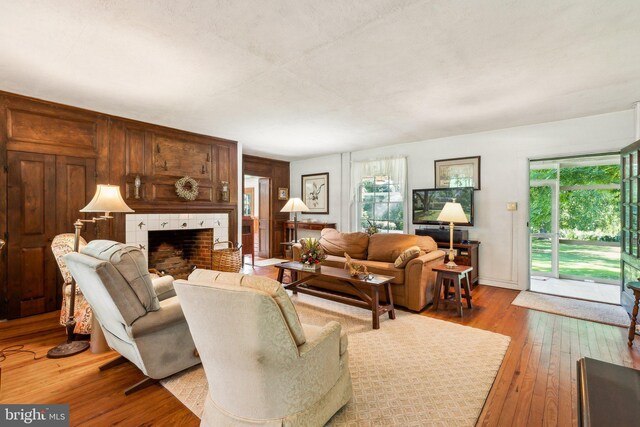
point(228, 259)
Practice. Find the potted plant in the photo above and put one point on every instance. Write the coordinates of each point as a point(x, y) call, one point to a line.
point(312, 254)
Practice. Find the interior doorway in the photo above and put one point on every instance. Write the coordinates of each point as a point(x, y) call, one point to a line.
point(574, 227)
point(256, 210)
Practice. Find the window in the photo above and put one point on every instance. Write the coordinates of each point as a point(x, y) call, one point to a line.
point(379, 195)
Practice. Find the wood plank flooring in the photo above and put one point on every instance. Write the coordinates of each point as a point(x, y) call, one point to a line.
point(536, 384)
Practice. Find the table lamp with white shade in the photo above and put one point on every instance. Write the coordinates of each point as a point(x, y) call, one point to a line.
point(451, 213)
point(295, 205)
point(107, 200)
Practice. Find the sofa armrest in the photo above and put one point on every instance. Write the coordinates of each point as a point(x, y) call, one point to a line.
point(164, 287)
point(331, 331)
point(170, 313)
point(420, 279)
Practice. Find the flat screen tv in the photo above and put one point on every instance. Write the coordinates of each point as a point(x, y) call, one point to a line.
point(427, 204)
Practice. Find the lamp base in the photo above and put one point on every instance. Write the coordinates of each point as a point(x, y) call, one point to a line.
point(451, 264)
point(67, 349)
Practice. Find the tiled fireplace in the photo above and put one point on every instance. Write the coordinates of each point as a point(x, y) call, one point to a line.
point(175, 243)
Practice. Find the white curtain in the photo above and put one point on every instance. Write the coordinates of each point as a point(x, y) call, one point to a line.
point(395, 168)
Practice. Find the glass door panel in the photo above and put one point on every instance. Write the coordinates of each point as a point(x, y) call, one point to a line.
point(543, 211)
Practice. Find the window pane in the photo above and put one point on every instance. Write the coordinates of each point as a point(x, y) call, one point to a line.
point(589, 175)
point(542, 174)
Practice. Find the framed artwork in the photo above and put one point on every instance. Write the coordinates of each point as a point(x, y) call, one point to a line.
point(247, 202)
point(460, 172)
point(283, 193)
point(315, 193)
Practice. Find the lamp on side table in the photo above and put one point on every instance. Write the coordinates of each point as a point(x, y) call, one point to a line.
point(295, 205)
point(452, 213)
point(108, 200)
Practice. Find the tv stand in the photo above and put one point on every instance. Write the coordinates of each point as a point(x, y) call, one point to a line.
point(467, 254)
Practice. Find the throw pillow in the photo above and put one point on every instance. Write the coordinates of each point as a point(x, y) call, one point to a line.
point(406, 256)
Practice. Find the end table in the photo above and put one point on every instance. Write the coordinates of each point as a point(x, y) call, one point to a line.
point(455, 275)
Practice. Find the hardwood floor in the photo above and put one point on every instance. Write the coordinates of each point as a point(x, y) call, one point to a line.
point(536, 384)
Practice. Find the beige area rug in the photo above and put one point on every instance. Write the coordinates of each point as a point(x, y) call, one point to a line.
point(268, 262)
point(570, 307)
point(413, 371)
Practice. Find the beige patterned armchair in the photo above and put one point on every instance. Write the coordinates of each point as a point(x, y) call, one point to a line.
point(264, 367)
point(61, 245)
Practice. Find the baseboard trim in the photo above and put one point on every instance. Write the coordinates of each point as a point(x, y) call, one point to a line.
point(499, 283)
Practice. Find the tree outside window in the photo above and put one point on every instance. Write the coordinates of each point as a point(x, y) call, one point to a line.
point(381, 204)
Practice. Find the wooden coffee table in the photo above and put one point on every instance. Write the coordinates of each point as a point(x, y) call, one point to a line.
point(360, 299)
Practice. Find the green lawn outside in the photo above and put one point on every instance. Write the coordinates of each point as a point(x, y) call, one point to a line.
point(590, 261)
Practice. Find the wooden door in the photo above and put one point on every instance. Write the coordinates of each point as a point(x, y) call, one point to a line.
point(31, 285)
point(264, 227)
point(75, 187)
point(630, 221)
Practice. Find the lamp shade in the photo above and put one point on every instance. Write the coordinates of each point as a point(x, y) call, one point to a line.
point(452, 212)
point(107, 199)
point(294, 205)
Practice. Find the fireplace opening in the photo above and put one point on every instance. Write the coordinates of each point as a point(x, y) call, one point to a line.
point(178, 252)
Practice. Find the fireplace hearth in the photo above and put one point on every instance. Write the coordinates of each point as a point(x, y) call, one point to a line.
point(178, 252)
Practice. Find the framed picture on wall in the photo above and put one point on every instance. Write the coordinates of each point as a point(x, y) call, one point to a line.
point(459, 172)
point(283, 193)
point(315, 193)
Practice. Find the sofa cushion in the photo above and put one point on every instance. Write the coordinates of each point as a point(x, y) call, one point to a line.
point(334, 261)
point(388, 247)
point(335, 243)
point(406, 256)
point(269, 286)
point(131, 263)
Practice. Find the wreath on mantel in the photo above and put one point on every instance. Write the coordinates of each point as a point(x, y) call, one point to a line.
point(187, 188)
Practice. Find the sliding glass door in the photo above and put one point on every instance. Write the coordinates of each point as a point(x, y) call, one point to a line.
point(574, 225)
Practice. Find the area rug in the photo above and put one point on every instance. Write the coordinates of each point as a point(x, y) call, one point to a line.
point(570, 307)
point(413, 371)
point(268, 262)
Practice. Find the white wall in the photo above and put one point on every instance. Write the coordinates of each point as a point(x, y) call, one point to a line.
point(504, 168)
point(331, 164)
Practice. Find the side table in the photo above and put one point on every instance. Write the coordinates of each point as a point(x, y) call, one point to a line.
point(635, 287)
point(455, 275)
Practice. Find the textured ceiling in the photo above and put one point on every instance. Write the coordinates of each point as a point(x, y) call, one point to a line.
point(298, 78)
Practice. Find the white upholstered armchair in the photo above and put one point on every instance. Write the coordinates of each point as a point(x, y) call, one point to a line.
point(150, 333)
point(264, 367)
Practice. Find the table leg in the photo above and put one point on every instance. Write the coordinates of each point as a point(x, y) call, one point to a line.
point(280, 274)
point(375, 301)
point(467, 290)
point(456, 284)
point(436, 294)
point(389, 295)
point(634, 318)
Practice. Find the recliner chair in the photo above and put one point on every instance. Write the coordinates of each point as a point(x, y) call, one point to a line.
point(150, 333)
point(263, 366)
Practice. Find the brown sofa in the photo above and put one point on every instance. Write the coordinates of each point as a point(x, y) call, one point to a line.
point(412, 286)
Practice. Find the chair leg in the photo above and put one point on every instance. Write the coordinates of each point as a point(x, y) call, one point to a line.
point(115, 362)
point(146, 382)
point(634, 318)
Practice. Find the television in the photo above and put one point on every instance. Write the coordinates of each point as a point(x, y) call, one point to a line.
point(428, 203)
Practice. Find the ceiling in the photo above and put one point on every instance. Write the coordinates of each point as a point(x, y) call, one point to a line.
point(299, 78)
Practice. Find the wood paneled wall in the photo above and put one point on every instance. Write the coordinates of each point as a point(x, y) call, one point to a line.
point(278, 172)
point(75, 141)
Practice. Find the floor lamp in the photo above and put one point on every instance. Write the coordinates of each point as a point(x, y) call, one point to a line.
point(108, 200)
point(452, 212)
point(295, 205)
